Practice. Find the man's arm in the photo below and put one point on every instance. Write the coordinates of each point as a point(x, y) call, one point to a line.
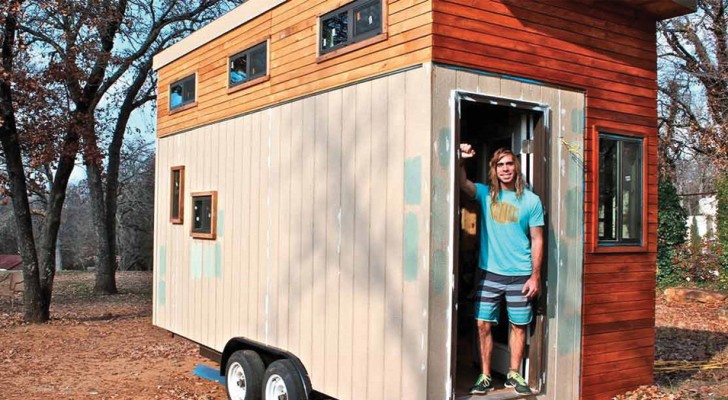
point(467, 186)
point(533, 285)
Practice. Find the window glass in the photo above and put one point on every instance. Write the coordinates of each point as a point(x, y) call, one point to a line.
point(238, 69)
point(249, 64)
point(202, 214)
point(257, 62)
point(335, 30)
point(607, 189)
point(620, 190)
point(176, 182)
point(182, 92)
point(631, 190)
point(368, 18)
point(351, 23)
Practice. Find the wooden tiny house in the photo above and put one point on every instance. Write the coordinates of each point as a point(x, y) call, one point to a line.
point(306, 205)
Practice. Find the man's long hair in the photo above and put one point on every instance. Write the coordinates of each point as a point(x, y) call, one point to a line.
point(495, 185)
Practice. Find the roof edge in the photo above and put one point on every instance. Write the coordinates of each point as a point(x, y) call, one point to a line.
point(226, 23)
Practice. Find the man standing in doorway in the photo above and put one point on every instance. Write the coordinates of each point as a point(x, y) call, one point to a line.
point(511, 251)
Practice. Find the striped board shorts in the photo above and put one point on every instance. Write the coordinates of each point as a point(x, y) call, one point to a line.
point(493, 288)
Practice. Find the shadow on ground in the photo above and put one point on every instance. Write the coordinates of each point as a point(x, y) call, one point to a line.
point(698, 348)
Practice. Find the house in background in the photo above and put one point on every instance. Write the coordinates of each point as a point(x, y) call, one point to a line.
point(705, 215)
point(11, 262)
point(307, 229)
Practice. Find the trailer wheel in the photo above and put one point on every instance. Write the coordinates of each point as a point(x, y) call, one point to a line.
point(244, 376)
point(282, 382)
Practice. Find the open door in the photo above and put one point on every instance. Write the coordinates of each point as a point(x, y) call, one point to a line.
point(489, 124)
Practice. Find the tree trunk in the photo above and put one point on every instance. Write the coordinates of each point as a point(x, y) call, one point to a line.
point(36, 309)
point(105, 265)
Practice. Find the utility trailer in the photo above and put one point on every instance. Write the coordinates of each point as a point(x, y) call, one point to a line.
point(309, 231)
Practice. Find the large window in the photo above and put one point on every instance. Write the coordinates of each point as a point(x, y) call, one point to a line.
point(349, 24)
point(204, 215)
point(248, 65)
point(177, 192)
point(620, 220)
point(182, 92)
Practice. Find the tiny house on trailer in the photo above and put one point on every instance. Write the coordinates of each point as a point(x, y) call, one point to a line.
point(309, 230)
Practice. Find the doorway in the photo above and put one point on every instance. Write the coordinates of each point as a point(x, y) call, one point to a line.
point(489, 123)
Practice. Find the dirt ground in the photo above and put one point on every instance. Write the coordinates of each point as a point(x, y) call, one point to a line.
point(106, 348)
point(98, 348)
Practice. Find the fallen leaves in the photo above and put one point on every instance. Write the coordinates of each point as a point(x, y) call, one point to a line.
point(99, 347)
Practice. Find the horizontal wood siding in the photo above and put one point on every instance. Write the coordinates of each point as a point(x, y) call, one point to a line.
point(608, 51)
point(294, 72)
point(311, 235)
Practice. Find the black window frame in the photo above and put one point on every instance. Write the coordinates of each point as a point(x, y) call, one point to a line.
point(352, 37)
point(248, 52)
point(208, 230)
point(190, 78)
point(619, 240)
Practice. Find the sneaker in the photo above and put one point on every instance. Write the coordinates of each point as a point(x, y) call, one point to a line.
point(515, 380)
point(482, 385)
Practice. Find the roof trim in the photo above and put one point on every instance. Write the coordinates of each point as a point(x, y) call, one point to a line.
point(226, 23)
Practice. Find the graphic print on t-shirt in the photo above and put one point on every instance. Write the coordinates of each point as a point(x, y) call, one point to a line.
point(504, 213)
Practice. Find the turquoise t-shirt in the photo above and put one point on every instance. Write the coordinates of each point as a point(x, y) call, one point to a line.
point(505, 247)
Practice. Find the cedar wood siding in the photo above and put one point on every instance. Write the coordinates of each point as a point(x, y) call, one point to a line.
point(293, 67)
point(610, 53)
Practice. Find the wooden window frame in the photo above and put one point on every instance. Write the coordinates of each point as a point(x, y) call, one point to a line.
point(352, 45)
point(598, 247)
point(257, 80)
point(212, 235)
point(180, 198)
point(184, 106)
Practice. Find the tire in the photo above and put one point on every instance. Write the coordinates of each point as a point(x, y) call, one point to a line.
point(244, 376)
point(282, 382)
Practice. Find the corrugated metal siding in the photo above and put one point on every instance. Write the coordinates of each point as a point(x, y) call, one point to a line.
point(310, 254)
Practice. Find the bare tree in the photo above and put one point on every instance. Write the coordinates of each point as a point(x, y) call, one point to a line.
point(108, 45)
point(136, 214)
point(693, 87)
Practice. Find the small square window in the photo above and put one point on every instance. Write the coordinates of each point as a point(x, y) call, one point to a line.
point(349, 24)
point(204, 215)
point(182, 92)
point(177, 190)
point(620, 220)
point(248, 65)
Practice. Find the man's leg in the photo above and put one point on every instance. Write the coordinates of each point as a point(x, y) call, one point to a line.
point(520, 315)
point(517, 342)
point(486, 345)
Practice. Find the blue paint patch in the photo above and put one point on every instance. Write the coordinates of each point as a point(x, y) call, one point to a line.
point(411, 245)
point(218, 260)
point(577, 120)
point(209, 261)
point(161, 293)
point(413, 181)
point(443, 148)
point(196, 260)
point(209, 373)
point(162, 259)
point(440, 210)
point(220, 223)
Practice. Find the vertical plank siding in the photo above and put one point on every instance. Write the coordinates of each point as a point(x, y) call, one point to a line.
point(564, 223)
point(309, 255)
point(293, 67)
point(609, 52)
